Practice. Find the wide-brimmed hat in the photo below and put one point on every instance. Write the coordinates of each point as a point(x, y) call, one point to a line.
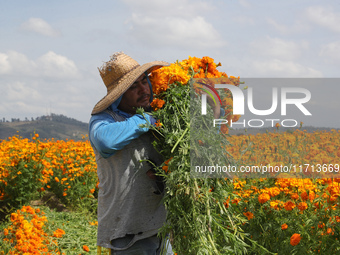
point(118, 74)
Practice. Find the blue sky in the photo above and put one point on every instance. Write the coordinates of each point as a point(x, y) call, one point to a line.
point(50, 50)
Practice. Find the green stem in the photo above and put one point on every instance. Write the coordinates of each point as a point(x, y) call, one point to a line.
point(209, 226)
point(212, 243)
point(185, 131)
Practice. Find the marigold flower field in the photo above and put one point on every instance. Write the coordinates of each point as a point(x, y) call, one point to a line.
point(287, 212)
point(30, 168)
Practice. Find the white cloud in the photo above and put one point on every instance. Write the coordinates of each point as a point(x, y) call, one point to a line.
point(331, 52)
point(244, 3)
point(32, 86)
point(34, 97)
point(20, 64)
point(50, 65)
point(40, 26)
point(5, 66)
point(277, 48)
point(244, 20)
point(175, 23)
point(57, 66)
point(175, 31)
point(282, 69)
point(299, 26)
point(21, 99)
point(324, 16)
point(166, 8)
point(20, 91)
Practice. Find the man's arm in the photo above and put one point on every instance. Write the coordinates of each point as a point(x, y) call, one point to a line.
point(109, 136)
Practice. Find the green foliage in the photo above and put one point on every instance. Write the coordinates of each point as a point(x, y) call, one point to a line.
point(198, 219)
point(78, 231)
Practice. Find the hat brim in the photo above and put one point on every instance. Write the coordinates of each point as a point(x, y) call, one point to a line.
point(124, 83)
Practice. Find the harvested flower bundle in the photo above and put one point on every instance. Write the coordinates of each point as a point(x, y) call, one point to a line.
point(200, 218)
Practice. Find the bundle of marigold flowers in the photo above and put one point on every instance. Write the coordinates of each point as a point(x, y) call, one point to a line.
point(197, 70)
point(198, 220)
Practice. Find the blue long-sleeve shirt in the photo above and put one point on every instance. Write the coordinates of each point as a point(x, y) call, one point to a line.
point(109, 136)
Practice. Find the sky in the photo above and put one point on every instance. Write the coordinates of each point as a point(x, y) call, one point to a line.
point(50, 50)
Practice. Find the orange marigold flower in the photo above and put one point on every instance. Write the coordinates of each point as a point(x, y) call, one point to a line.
point(85, 248)
point(249, 215)
point(264, 197)
point(236, 118)
point(294, 196)
point(321, 225)
point(226, 203)
point(224, 128)
point(304, 195)
point(165, 168)
point(94, 223)
point(289, 205)
point(167, 162)
point(302, 206)
point(158, 123)
point(311, 195)
point(330, 231)
point(274, 191)
point(295, 239)
point(236, 201)
point(14, 216)
point(276, 204)
point(227, 101)
point(284, 226)
point(58, 233)
point(157, 104)
point(162, 77)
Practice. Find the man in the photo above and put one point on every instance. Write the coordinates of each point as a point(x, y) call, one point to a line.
point(130, 210)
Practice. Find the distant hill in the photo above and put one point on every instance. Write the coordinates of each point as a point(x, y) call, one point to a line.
point(55, 126)
point(61, 127)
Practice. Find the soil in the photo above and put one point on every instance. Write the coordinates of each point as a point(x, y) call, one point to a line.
point(49, 199)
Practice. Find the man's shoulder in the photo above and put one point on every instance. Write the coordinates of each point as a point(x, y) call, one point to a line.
point(108, 115)
point(116, 115)
point(101, 116)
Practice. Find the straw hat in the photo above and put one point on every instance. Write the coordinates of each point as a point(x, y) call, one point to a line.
point(118, 74)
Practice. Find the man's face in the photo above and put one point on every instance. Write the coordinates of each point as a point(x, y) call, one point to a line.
point(138, 95)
